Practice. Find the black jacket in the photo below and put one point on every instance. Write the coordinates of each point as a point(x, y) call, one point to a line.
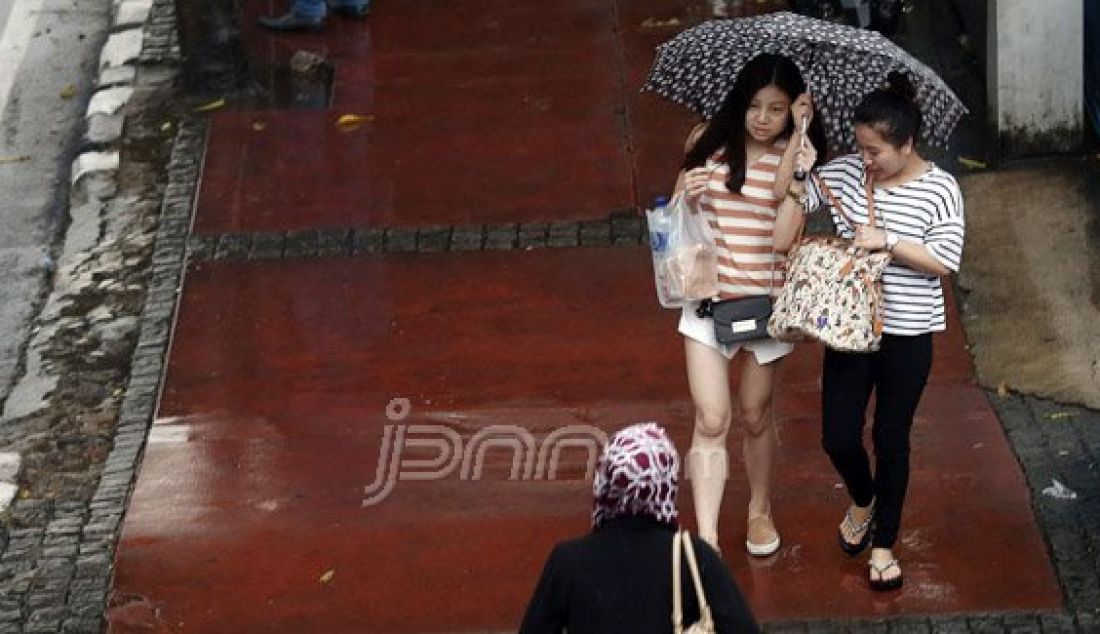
point(618, 578)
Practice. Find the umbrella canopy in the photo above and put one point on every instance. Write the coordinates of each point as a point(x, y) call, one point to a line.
point(840, 64)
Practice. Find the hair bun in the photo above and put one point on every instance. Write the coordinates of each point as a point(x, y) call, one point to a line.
point(899, 84)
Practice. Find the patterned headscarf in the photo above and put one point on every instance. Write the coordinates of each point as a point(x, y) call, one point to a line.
point(638, 475)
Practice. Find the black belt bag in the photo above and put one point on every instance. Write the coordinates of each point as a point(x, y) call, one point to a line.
point(738, 320)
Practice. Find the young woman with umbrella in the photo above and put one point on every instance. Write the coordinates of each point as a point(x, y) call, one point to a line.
point(921, 212)
point(728, 175)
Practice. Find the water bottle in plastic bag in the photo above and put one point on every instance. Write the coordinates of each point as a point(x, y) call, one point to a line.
point(685, 258)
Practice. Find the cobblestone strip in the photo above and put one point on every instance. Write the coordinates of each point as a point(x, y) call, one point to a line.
point(617, 229)
point(1061, 443)
point(1030, 623)
point(90, 545)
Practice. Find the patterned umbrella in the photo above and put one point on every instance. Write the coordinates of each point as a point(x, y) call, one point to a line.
point(840, 63)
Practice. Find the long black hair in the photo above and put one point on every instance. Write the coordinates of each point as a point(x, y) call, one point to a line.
point(892, 111)
point(727, 128)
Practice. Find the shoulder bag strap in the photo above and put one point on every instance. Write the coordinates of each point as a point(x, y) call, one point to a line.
point(693, 566)
point(834, 202)
point(872, 215)
point(677, 600)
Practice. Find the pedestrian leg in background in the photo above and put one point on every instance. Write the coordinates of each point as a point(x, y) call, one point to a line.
point(303, 16)
point(357, 9)
point(309, 15)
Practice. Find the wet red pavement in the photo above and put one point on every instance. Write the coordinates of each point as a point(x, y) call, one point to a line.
point(520, 112)
point(274, 416)
point(249, 512)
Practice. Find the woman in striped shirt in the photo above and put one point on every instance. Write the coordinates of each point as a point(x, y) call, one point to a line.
point(728, 175)
point(921, 224)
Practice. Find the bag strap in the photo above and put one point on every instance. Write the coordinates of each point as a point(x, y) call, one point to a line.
point(677, 600)
point(697, 579)
point(835, 203)
point(872, 216)
point(683, 540)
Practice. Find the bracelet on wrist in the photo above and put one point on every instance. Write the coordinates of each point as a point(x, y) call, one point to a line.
point(890, 241)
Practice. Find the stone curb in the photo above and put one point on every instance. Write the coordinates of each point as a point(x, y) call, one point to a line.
point(93, 184)
point(10, 465)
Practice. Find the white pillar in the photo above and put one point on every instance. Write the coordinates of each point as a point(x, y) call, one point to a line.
point(1036, 75)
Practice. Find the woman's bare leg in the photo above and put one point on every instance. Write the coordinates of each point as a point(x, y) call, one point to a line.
point(760, 446)
point(761, 442)
point(708, 462)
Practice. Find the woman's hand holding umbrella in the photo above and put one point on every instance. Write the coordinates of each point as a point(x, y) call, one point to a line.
point(805, 157)
point(803, 106)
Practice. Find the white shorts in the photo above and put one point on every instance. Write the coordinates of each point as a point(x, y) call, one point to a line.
point(701, 329)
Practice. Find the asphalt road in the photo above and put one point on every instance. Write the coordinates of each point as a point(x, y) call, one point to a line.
point(48, 59)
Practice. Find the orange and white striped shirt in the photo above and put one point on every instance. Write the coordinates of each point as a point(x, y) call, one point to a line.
point(743, 226)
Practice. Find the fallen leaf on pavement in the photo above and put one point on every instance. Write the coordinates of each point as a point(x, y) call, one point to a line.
point(213, 105)
point(972, 163)
point(655, 23)
point(349, 122)
point(329, 574)
point(68, 92)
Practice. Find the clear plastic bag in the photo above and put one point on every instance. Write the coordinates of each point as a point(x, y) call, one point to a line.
point(685, 257)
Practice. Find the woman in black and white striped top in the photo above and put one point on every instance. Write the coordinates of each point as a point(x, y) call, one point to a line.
point(921, 224)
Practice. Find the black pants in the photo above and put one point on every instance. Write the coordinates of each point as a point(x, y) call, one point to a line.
point(897, 373)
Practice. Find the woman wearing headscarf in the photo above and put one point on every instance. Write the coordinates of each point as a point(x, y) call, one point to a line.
point(618, 578)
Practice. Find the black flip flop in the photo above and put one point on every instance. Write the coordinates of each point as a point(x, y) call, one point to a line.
point(848, 547)
point(885, 585)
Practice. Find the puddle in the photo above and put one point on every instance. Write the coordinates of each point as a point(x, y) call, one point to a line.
point(279, 87)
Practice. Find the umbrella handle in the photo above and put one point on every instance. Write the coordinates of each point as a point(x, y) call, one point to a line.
point(799, 173)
